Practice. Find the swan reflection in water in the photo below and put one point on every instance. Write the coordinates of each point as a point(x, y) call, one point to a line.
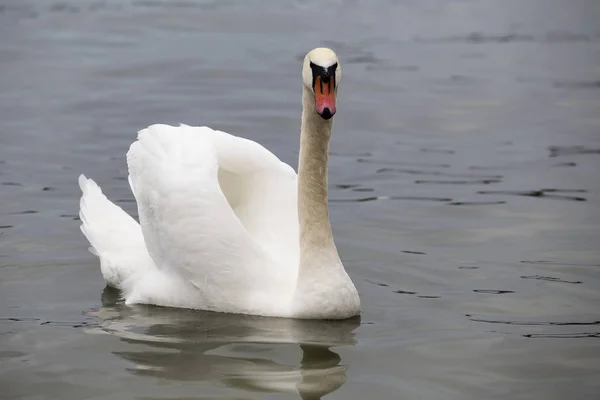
point(189, 345)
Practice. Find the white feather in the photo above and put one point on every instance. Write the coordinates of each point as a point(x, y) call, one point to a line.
point(218, 218)
point(115, 237)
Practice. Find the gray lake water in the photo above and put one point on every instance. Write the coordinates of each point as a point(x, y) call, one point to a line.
point(465, 195)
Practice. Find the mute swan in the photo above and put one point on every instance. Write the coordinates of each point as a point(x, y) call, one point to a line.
point(225, 225)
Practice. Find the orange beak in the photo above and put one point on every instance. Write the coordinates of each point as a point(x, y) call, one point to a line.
point(324, 97)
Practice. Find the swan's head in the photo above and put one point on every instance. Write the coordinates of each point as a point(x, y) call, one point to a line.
point(321, 74)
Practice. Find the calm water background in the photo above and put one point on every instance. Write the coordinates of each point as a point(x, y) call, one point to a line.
point(465, 195)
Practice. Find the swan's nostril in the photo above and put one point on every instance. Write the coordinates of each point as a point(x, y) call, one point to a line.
point(326, 113)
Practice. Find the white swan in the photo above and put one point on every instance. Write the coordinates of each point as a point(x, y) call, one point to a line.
point(224, 224)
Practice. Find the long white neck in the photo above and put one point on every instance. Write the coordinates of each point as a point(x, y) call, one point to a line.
point(317, 248)
point(323, 289)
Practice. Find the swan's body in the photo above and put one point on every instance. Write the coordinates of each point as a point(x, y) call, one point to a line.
point(224, 224)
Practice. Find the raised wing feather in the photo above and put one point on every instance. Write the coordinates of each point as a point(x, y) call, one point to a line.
point(262, 190)
point(192, 230)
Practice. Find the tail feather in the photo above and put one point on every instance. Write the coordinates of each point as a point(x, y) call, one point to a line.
point(115, 237)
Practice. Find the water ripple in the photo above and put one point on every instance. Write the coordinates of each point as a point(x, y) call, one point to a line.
point(532, 323)
point(548, 278)
point(540, 193)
